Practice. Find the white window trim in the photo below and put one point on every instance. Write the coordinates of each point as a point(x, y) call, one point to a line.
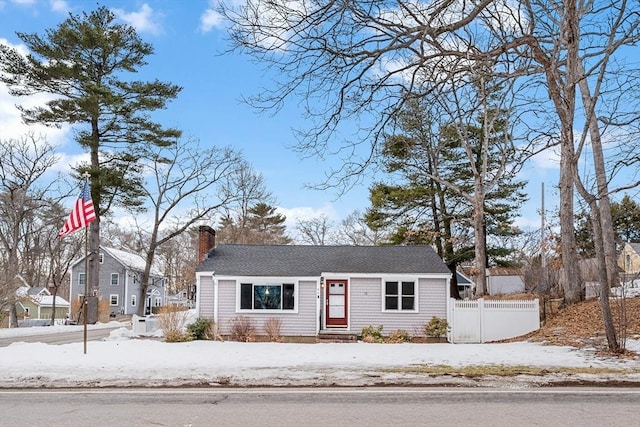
point(117, 275)
point(101, 258)
point(268, 281)
point(82, 277)
point(111, 303)
point(133, 300)
point(400, 279)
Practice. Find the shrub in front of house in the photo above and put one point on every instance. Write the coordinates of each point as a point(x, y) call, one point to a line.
point(201, 329)
point(436, 328)
point(172, 320)
point(398, 336)
point(272, 328)
point(372, 334)
point(242, 328)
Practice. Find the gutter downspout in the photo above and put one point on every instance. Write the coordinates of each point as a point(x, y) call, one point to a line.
point(215, 298)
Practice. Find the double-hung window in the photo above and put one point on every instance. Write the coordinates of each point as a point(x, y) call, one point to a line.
point(267, 297)
point(115, 279)
point(113, 299)
point(399, 295)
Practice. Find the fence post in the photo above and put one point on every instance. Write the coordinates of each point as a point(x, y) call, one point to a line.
point(481, 318)
point(451, 319)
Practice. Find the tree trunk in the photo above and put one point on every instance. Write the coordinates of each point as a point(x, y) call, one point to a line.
point(603, 277)
point(53, 307)
point(13, 316)
point(480, 240)
point(570, 277)
point(602, 222)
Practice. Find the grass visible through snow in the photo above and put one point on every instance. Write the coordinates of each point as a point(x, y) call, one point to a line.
point(505, 370)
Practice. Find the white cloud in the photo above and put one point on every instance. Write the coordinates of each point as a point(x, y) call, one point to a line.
point(210, 19)
point(59, 6)
point(299, 213)
point(13, 128)
point(24, 2)
point(12, 125)
point(549, 159)
point(306, 212)
point(144, 21)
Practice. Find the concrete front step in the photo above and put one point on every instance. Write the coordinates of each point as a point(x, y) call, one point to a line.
point(337, 336)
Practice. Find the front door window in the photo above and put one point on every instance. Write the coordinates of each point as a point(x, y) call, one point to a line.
point(336, 303)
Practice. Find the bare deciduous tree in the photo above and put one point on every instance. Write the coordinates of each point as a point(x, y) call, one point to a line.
point(363, 60)
point(187, 184)
point(23, 196)
point(353, 230)
point(315, 231)
point(251, 189)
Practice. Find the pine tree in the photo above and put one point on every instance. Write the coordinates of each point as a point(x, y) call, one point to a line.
point(84, 63)
point(266, 225)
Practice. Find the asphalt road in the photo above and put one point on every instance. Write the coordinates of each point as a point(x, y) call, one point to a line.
point(60, 337)
point(320, 407)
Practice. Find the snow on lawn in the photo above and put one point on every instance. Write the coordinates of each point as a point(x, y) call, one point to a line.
point(125, 360)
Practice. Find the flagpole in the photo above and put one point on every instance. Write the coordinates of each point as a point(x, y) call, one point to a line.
point(82, 214)
point(86, 285)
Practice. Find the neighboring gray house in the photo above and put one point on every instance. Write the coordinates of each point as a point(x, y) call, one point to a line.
point(317, 289)
point(119, 282)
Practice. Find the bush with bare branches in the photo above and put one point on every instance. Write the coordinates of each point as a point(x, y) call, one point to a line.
point(242, 328)
point(272, 328)
point(172, 319)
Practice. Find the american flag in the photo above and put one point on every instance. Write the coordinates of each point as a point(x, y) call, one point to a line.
point(82, 213)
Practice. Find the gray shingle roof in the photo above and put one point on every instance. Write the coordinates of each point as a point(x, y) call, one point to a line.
point(304, 260)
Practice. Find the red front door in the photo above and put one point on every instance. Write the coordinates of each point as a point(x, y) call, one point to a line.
point(336, 303)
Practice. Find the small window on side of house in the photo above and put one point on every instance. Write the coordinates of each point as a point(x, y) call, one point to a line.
point(82, 277)
point(115, 279)
point(113, 299)
point(133, 300)
point(399, 296)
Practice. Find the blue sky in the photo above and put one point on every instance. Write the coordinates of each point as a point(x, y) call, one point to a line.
point(188, 40)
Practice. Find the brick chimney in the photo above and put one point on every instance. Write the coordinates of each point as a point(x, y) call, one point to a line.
point(206, 241)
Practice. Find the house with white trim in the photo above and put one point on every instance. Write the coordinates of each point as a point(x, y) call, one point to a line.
point(36, 303)
point(314, 290)
point(119, 282)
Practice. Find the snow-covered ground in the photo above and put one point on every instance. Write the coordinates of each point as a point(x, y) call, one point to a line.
point(126, 360)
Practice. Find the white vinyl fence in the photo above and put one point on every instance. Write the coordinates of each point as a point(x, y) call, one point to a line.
point(482, 320)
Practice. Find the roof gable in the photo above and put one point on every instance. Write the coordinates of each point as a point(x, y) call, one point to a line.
point(310, 261)
point(129, 260)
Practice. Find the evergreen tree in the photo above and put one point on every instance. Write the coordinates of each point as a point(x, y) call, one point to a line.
point(429, 201)
point(84, 63)
point(626, 226)
point(626, 220)
point(266, 226)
